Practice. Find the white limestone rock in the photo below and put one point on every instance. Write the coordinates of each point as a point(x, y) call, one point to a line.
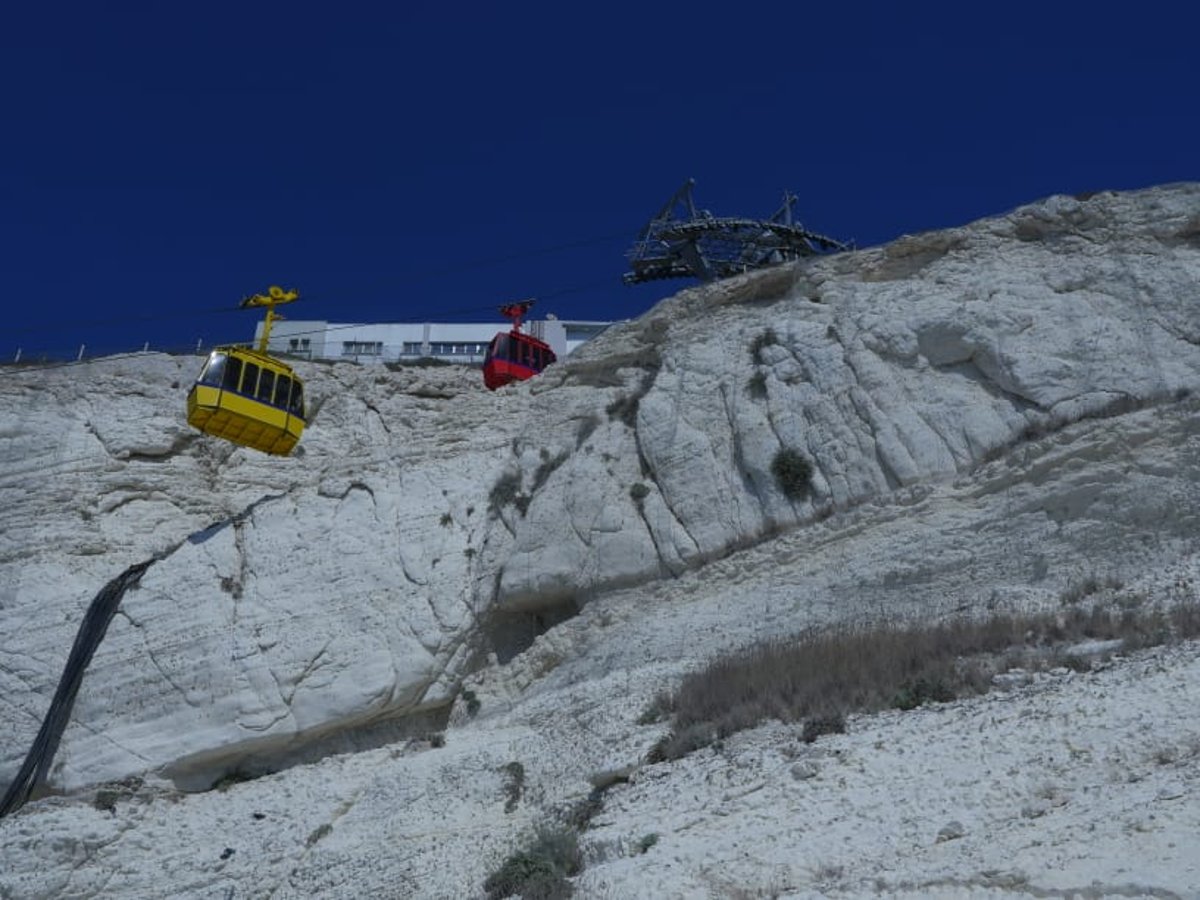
point(303, 605)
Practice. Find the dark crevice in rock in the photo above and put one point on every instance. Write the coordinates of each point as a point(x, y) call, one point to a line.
point(508, 633)
point(222, 767)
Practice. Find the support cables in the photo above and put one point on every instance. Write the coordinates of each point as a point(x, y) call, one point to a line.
point(91, 632)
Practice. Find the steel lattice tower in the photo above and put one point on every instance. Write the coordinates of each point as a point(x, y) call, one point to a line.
point(684, 242)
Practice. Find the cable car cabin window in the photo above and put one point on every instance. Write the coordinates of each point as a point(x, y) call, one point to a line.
point(249, 379)
point(266, 385)
point(283, 385)
point(214, 369)
point(500, 348)
point(296, 404)
point(233, 374)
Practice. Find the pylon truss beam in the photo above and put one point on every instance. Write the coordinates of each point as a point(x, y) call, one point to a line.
point(683, 242)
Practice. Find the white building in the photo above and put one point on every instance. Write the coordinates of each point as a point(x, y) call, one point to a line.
point(453, 342)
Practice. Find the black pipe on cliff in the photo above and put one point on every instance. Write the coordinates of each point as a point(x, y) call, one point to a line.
point(91, 632)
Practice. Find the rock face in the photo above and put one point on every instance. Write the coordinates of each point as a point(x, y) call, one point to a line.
point(426, 521)
point(988, 413)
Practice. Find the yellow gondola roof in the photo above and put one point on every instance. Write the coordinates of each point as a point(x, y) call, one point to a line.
point(263, 358)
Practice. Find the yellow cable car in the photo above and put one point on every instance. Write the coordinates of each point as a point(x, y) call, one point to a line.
point(248, 397)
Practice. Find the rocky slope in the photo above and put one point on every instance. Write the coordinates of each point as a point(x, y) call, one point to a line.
point(991, 413)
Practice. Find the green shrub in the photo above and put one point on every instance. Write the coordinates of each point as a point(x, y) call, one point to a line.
point(647, 841)
point(924, 690)
point(834, 723)
point(540, 870)
point(793, 472)
point(638, 492)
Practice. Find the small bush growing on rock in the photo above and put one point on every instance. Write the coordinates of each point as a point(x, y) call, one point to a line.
point(766, 339)
point(317, 834)
point(834, 723)
point(638, 492)
point(109, 793)
point(541, 869)
point(647, 841)
point(578, 816)
point(792, 472)
point(472, 702)
point(505, 491)
point(931, 689)
point(514, 784)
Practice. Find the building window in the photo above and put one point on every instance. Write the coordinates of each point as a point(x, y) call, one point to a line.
point(412, 348)
point(447, 348)
point(298, 345)
point(362, 348)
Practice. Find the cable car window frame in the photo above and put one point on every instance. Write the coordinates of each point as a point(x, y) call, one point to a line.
point(283, 389)
point(249, 379)
point(233, 374)
point(266, 386)
point(501, 347)
point(296, 401)
point(213, 371)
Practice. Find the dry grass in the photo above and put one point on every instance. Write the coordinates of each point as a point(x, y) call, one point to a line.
point(819, 678)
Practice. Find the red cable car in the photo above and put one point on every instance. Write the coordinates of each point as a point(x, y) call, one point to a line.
point(513, 355)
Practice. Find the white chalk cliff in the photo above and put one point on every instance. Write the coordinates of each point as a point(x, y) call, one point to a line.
point(991, 412)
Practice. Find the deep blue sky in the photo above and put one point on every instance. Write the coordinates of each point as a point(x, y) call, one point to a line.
point(160, 161)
